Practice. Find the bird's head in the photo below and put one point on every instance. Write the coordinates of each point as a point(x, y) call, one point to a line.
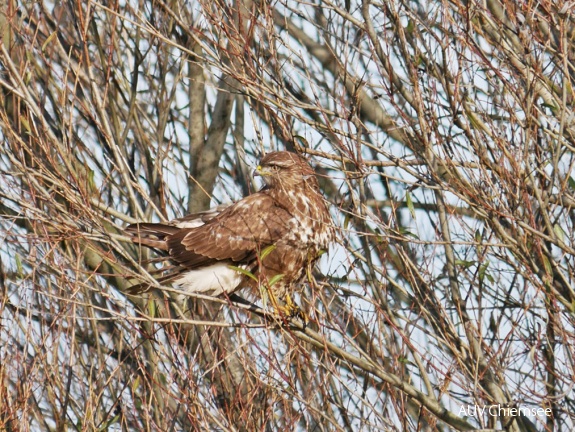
point(285, 169)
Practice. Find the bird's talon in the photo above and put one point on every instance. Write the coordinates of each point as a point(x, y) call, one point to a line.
point(292, 310)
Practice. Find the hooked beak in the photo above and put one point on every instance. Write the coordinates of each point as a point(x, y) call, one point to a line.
point(260, 172)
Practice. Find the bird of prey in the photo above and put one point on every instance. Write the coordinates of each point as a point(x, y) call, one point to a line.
point(269, 240)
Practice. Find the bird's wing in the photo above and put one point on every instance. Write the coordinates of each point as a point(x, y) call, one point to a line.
point(154, 234)
point(238, 233)
point(198, 219)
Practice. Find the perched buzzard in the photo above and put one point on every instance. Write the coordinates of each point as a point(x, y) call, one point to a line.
point(275, 236)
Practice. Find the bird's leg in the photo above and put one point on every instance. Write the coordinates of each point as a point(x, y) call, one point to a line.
point(289, 310)
point(292, 310)
point(275, 304)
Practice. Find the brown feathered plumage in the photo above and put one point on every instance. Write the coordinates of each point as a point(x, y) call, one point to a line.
point(287, 222)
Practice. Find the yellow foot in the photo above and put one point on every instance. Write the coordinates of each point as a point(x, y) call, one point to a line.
point(289, 310)
point(292, 310)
